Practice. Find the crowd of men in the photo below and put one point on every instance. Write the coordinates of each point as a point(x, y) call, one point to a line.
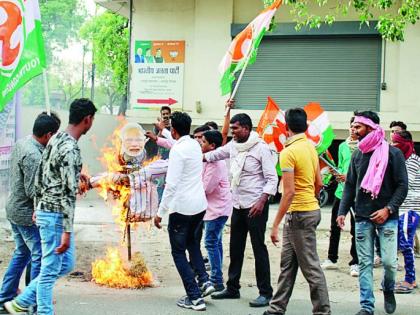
point(209, 180)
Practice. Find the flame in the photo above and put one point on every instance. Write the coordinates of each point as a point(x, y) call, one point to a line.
point(121, 193)
point(113, 273)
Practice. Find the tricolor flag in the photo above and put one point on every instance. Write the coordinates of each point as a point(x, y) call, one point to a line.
point(243, 49)
point(22, 54)
point(272, 127)
point(320, 131)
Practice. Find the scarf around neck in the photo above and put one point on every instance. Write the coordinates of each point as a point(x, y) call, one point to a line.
point(352, 144)
point(374, 142)
point(237, 163)
point(405, 145)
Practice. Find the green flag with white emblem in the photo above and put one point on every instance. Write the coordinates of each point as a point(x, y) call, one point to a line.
point(22, 53)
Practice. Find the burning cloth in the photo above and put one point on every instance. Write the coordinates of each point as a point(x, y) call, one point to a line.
point(143, 199)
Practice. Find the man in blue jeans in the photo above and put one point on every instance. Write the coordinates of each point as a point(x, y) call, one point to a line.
point(185, 200)
point(26, 156)
point(56, 183)
point(377, 183)
point(219, 199)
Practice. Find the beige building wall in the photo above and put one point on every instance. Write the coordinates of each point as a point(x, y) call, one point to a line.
point(205, 27)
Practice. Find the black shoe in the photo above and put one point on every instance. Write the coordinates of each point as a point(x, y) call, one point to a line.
point(225, 294)
point(364, 312)
point(269, 313)
point(390, 304)
point(219, 287)
point(260, 301)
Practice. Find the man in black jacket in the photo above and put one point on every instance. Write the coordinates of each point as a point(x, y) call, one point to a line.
point(377, 182)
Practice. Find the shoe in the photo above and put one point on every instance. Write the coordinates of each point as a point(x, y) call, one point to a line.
point(260, 301)
point(364, 312)
point(225, 294)
point(207, 289)
point(390, 304)
point(269, 313)
point(2, 309)
point(196, 305)
point(219, 287)
point(377, 262)
point(328, 265)
point(354, 270)
point(13, 308)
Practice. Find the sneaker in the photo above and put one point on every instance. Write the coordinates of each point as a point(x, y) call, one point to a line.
point(389, 302)
point(13, 308)
point(329, 265)
point(354, 270)
point(377, 262)
point(207, 289)
point(364, 312)
point(269, 313)
point(196, 305)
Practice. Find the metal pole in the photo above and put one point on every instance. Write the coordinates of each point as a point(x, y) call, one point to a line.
point(92, 87)
point(83, 71)
point(129, 241)
point(47, 93)
point(130, 32)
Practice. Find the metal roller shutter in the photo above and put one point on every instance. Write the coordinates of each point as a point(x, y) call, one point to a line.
point(342, 73)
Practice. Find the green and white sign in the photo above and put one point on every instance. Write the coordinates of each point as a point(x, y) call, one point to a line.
point(22, 53)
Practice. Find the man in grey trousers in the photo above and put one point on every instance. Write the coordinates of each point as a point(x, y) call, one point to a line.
point(301, 184)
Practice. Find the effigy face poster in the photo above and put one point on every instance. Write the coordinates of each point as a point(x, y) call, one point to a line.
point(158, 74)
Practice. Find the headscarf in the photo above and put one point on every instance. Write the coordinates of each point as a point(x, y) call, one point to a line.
point(374, 141)
point(405, 145)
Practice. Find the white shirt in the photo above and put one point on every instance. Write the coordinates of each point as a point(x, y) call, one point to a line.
point(184, 192)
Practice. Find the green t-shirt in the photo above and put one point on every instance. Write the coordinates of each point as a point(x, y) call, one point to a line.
point(344, 158)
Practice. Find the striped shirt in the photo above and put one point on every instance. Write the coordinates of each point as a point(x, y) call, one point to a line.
point(412, 201)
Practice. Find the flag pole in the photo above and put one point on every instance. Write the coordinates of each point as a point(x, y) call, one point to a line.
point(235, 89)
point(47, 94)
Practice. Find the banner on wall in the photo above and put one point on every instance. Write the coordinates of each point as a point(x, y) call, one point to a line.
point(158, 74)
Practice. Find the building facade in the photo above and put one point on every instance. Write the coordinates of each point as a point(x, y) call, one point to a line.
point(345, 67)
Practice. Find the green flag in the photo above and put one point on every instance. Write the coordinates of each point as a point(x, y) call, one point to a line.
point(22, 54)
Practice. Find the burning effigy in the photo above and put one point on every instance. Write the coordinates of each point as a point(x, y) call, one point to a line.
point(134, 173)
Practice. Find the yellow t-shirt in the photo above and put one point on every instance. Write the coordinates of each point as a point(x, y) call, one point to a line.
point(300, 157)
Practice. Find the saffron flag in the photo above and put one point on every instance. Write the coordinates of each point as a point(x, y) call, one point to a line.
point(272, 127)
point(22, 53)
point(244, 46)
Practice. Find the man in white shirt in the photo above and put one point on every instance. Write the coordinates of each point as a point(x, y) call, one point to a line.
point(185, 200)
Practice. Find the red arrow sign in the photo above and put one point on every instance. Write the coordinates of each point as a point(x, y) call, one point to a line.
point(169, 101)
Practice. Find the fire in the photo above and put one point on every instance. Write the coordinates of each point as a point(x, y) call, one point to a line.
point(113, 273)
point(121, 193)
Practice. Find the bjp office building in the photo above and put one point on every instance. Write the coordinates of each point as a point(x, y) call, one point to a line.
point(177, 45)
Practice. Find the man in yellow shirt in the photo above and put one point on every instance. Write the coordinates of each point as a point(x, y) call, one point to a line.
point(301, 184)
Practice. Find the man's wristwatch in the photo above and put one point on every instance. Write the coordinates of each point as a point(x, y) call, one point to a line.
point(389, 210)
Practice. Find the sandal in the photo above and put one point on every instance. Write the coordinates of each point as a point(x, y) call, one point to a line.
point(403, 288)
point(414, 284)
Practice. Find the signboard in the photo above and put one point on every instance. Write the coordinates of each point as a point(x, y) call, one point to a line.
point(158, 74)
